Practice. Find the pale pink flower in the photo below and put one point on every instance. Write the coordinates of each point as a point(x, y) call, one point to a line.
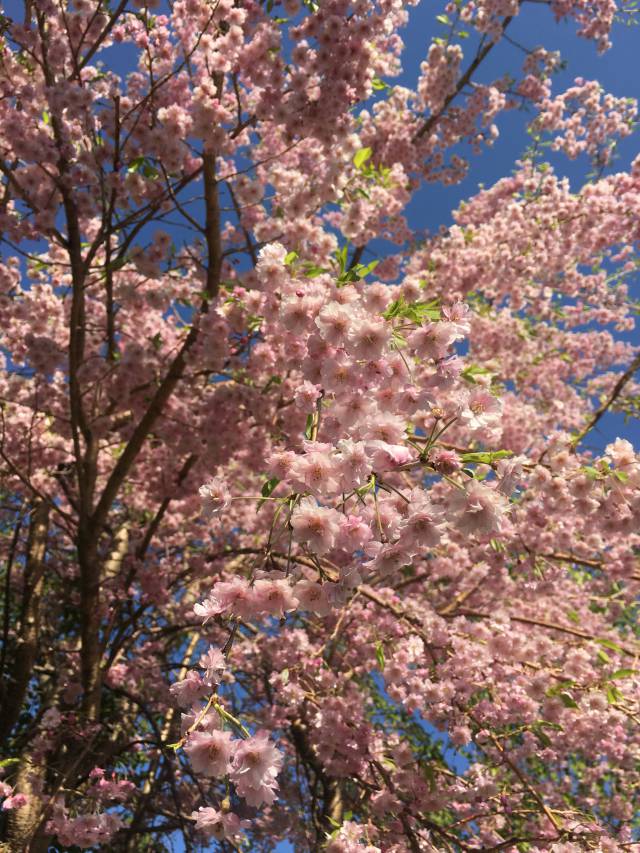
point(387, 558)
point(207, 609)
point(272, 253)
point(208, 723)
point(388, 456)
point(510, 474)
point(368, 338)
point(256, 764)
point(458, 316)
point(312, 596)
point(483, 410)
point(85, 830)
point(480, 509)
point(214, 496)
point(353, 409)
point(354, 465)
point(386, 427)
point(339, 374)
point(423, 527)
point(218, 825)
point(296, 313)
point(317, 471)
point(315, 525)
point(213, 663)
point(354, 533)
point(444, 461)
point(433, 340)
point(334, 321)
point(15, 801)
point(281, 464)
point(273, 597)
point(210, 752)
point(306, 395)
point(191, 687)
point(620, 453)
point(236, 597)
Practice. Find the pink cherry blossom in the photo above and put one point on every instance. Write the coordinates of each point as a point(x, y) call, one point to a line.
point(210, 752)
point(217, 824)
point(480, 509)
point(315, 525)
point(255, 766)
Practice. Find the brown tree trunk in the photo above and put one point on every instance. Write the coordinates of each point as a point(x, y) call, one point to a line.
point(28, 631)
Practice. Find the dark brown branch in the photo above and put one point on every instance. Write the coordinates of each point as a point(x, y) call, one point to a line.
point(604, 408)
point(28, 632)
point(7, 601)
point(431, 122)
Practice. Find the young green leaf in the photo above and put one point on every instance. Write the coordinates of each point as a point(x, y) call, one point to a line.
point(361, 157)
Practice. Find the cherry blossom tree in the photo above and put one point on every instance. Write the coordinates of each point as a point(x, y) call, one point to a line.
point(308, 529)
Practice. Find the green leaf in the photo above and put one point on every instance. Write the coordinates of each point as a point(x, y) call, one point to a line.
point(364, 270)
point(347, 277)
point(290, 257)
point(613, 695)
point(269, 486)
point(567, 700)
point(380, 655)
point(545, 724)
point(284, 675)
point(266, 490)
point(135, 164)
point(485, 458)
point(623, 673)
point(443, 19)
point(378, 85)
point(593, 473)
point(308, 430)
point(415, 312)
point(341, 256)
point(542, 736)
point(361, 157)
point(143, 165)
point(114, 266)
point(394, 310)
point(313, 271)
point(473, 370)
point(8, 761)
point(609, 644)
